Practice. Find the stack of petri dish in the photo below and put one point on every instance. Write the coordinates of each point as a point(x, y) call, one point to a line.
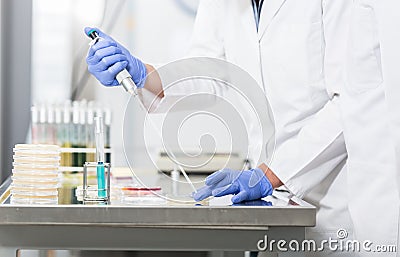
point(36, 176)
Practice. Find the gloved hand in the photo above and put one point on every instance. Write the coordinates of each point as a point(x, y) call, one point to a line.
point(245, 185)
point(107, 58)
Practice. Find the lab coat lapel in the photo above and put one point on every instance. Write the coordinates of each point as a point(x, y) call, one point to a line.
point(245, 8)
point(268, 11)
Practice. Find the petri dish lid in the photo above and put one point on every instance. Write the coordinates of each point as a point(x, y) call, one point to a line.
point(30, 149)
point(39, 173)
point(35, 153)
point(35, 166)
point(35, 185)
point(33, 194)
point(43, 147)
point(23, 188)
point(41, 158)
point(24, 201)
point(36, 179)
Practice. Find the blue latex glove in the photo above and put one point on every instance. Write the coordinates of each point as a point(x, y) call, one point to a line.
point(245, 185)
point(107, 58)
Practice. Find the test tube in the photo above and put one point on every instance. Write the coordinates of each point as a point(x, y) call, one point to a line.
point(107, 133)
point(66, 131)
point(90, 142)
point(50, 128)
point(58, 126)
point(35, 127)
point(82, 131)
point(42, 125)
point(75, 133)
point(99, 135)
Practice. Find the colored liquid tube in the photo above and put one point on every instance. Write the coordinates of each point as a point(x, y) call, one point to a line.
point(99, 135)
point(101, 180)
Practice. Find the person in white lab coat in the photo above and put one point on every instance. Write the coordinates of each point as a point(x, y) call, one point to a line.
point(371, 121)
point(389, 37)
point(294, 49)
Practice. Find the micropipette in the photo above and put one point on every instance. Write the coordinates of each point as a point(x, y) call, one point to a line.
point(99, 135)
point(125, 79)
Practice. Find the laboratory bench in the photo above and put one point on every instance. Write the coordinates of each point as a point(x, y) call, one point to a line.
point(213, 226)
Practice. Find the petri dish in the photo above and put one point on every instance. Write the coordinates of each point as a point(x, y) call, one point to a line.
point(36, 167)
point(36, 185)
point(21, 192)
point(49, 190)
point(24, 200)
point(33, 173)
point(36, 148)
point(36, 179)
point(140, 191)
point(138, 195)
point(31, 159)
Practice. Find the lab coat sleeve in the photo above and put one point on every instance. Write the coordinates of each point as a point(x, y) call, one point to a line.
point(207, 41)
point(305, 160)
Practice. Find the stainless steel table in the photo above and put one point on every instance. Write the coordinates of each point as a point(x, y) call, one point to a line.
point(217, 227)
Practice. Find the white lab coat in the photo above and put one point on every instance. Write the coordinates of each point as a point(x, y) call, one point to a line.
point(297, 60)
point(369, 115)
point(389, 37)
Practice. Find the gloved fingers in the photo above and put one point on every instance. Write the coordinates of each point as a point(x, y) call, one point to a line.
point(227, 180)
point(101, 53)
point(100, 45)
point(104, 35)
point(222, 183)
point(113, 83)
point(236, 174)
point(107, 62)
point(241, 197)
point(101, 33)
point(217, 177)
point(87, 29)
point(107, 77)
point(101, 70)
point(116, 68)
point(106, 80)
point(226, 190)
point(203, 193)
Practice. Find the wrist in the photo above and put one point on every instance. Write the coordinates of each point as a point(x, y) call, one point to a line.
point(273, 179)
point(264, 183)
point(138, 71)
